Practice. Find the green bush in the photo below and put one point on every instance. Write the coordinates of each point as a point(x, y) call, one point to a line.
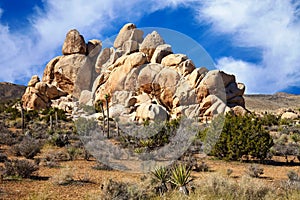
point(242, 136)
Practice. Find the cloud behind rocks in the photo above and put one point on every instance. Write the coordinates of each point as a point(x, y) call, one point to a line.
point(273, 26)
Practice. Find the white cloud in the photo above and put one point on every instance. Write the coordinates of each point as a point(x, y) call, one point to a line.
point(24, 54)
point(273, 26)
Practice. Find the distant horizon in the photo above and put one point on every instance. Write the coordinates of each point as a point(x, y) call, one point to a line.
point(258, 42)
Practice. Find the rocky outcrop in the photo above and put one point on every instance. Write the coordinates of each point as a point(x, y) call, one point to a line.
point(153, 83)
point(61, 75)
point(38, 95)
point(142, 77)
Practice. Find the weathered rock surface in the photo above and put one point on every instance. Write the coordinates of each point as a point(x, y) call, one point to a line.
point(64, 75)
point(39, 95)
point(74, 43)
point(142, 77)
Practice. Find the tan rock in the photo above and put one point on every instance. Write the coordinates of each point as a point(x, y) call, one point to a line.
point(150, 43)
point(148, 111)
point(196, 76)
point(213, 105)
point(173, 59)
point(34, 80)
point(236, 101)
point(130, 46)
point(232, 90)
point(74, 43)
point(48, 75)
point(93, 47)
point(128, 32)
point(70, 69)
point(212, 83)
point(239, 110)
point(146, 78)
point(227, 78)
point(85, 97)
point(160, 52)
point(289, 115)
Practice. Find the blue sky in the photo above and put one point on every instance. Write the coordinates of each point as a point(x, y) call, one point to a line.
point(257, 40)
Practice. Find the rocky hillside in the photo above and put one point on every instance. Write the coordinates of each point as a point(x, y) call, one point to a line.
point(140, 78)
point(272, 103)
point(10, 91)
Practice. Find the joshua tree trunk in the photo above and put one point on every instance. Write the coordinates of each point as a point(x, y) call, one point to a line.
point(184, 190)
point(22, 116)
point(51, 122)
point(102, 110)
point(56, 118)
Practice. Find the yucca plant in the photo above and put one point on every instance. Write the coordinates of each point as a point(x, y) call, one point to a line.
point(181, 176)
point(161, 175)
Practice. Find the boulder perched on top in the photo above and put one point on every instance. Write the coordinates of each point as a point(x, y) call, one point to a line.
point(74, 43)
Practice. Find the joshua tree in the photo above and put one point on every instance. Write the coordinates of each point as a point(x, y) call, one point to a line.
point(22, 116)
point(106, 96)
point(160, 174)
point(101, 109)
point(181, 176)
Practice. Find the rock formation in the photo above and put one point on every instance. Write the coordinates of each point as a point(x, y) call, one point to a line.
point(61, 73)
point(142, 76)
point(152, 82)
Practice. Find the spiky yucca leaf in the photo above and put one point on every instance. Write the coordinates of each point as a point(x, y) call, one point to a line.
point(160, 174)
point(180, 175)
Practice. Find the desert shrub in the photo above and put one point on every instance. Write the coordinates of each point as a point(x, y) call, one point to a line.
point(288, 149)
point(242, 136)
point(219, 187)
point(20, 168)
point(122, 191)
point(65, 177)
point(29, 147)
point(73, 152)
point(50, 161)
point(255, 171)
point(163, 132)
point(59, 138)
point(102, 166)
point(7, 137)
point(13, 112)
point(285, 121)
point(30, 115)
point(3, 157)
point(270, 120)
point(57, 156)
point(293, 176)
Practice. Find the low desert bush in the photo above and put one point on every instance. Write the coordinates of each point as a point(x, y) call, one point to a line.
point(29, 147)
point(65, 177)
point(122, 191)
point(20, 168)
point(3, 157)
point(255, 171)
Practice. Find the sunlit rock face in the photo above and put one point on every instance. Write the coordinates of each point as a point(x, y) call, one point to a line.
point(140, 76)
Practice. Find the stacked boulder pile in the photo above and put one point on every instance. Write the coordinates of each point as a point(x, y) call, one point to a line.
point(141, 78)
